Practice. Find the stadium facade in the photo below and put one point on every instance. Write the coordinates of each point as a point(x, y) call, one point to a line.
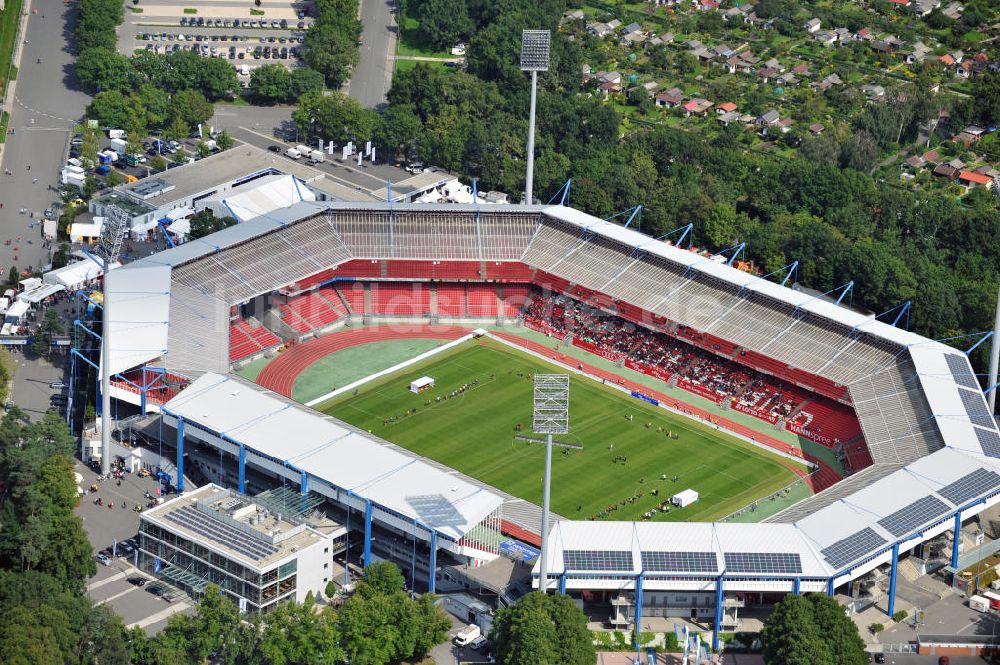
point(934, 444)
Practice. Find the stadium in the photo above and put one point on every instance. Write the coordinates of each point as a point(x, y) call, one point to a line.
point(904, 415)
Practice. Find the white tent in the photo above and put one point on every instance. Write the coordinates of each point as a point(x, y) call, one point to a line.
point(75, 275)
point(685, 498)
point(37, 294)
point(16, 312)
point(418, 386)
point(258, 197)
point(80, 232)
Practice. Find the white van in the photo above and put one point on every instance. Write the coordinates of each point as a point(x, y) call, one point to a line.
point(466, 636)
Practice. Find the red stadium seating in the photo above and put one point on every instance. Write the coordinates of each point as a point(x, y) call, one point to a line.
point(359, 268)
point(246, 340)
point(482, 300)
point(451, 300)
point(353, 293)
point(514, 299)
point(400, 299)
point(508, 272)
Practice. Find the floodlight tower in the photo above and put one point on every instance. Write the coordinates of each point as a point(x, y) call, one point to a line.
point(534, 59)
point(991, 396)
point(550, 415)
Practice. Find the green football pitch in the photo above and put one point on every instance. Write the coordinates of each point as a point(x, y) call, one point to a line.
point(635, 456)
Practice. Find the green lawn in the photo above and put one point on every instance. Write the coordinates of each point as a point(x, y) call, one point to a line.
point(474, 431)
point(8, 31)
point(409, 42)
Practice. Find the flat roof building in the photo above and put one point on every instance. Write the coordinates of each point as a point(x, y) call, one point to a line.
point(256, 555)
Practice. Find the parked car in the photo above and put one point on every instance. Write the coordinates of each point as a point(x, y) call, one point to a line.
point(103, 559)
point(137, 581)
point(55, 385)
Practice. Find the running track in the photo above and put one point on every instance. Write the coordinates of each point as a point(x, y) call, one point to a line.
point(280, 374)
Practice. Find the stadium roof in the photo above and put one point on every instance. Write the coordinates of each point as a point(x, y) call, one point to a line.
point(914, 397)
point(334, 453)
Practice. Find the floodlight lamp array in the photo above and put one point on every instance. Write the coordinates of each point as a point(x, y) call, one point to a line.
point(535, 50)
point(550, 414)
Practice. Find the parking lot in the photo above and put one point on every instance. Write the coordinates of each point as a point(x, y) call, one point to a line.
point(150, 604)
point(221, 29)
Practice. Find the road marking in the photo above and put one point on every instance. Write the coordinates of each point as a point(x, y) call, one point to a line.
point(161, 615)
point(47, 115)
point(117, 595)
point(113, 578)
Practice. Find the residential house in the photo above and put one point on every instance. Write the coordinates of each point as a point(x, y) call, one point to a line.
point(882, 46)
point(633, 34)
point(953, 10)
point(844, 36)
point(785, 125)
point(753, 19)
point(924, 7)
point(769, 119)
point(900, 3)
point(731, 64)
point(737, 14)
point(931, 157)
point(708, 5)
point(965, 69)
point(865, 33)
point(826, 38)
point(599, 29)
point(873, 92)
point(801, 69)
point(586, 72)
point(988, 171)
point(915, 163)
point(787, 80)
point(957, 164)
point(766, 73)
point(972, 179)
point(614, 24)
point(722, 51)
point(702, 53)
point(697, 106)
point(608, 88)
point(669, 98)
point(774, 64)
point(946, 171)
point(919, 52)
point(816, 129)
point(728, 118)
point(662, 40)
point(609, 77)
point(570, 17)
point(725, 107)
point(812, 25)
point(693, 44)
point(828, 82)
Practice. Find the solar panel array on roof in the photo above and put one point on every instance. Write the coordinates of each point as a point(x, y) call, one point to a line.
point(960, 371)
point(976, 407)
point(853, 547)
point(971, 486)
point(989, 441)
point(680, 562)
point(909, 518)
point(611, 560)
point(763, 562)
point(217, 530)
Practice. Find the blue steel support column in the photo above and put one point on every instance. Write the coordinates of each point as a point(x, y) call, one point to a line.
point(368, 533)
point(180, 455)
point(829, 587)
point(954, 545)
point(562, 584)
point(638, 608)
point(432, 575)
point(796, 587)
point(243, 469)
point(892, 579)
point(304, 489)
point(717, 628)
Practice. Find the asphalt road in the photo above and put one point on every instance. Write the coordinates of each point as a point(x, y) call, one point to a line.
point(373, 75)
point(48, 104)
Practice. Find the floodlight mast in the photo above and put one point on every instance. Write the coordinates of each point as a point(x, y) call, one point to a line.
point(534, 58)
point(991, 396)
point(550, 416)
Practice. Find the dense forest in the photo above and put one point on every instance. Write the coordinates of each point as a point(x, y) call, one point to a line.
point(819, 206)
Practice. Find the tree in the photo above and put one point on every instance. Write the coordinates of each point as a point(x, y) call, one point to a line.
point(304, 80)
point(156, 102)
point(203, 150)
point(60, 258)
point(177, 129)
point(224, 140)
point(104, 69)
point(804, 630)
point(111, 108)
point(113, 179)
point(191, 107)
point(331, 52)
point(444, 22)
point(381, 578)
point(217, 79)
point(335, 117)
point(542, 629)
point(205, 223)
point(13, 277)
point(270, 84)
point(158, 163)
point(42, 341)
